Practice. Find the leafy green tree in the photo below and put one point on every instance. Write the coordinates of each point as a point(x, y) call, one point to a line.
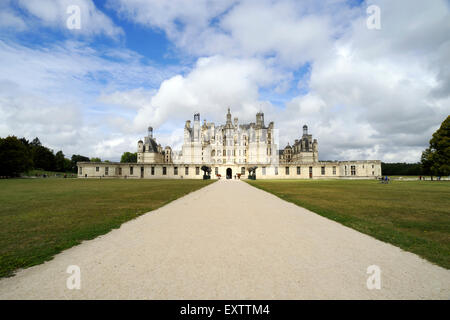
point(43, 158)
point(436, 158)
point(60, 161)
point(67, 165)
point(77, 158)
point(15, 157)
point(426, 161)
point(129, 157)
point(96, 160)
point(25, 142)
point(36, 142)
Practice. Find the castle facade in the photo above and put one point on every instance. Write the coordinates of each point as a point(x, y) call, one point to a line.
point(230, 150)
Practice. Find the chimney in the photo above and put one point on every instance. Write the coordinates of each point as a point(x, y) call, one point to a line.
point(150, 132)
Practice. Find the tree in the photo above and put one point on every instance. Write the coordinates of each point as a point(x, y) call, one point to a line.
point(77, 158)
point(436, 158)
point(426, 161)
point(67, 165)
point(43, 158)
point(36, 142)
point(15, 157)
point(96, 160)
point(129, 157)
point(25, 142)
point(60, 162)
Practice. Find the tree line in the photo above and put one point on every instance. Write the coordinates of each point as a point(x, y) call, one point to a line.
point(401, 169)
point(18, 156)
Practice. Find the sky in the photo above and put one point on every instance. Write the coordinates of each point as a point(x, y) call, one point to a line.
point(365, 93)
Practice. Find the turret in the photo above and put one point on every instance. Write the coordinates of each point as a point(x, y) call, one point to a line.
point(260, 119)
point(228, 117)
point(305, 129)
point(197, 128)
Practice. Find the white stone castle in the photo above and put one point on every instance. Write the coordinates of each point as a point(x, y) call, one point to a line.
point(230, 150)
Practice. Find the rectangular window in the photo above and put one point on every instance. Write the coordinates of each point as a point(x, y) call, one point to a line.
point(131, 170)
point(164, 171)
point(287, 171)
point(372, 166)
point(153, 171)
point(243, 170)
point(334, 170)
point(97, 169)
point(197, 170)
point(175, 171)
point(276, 171)
point(80, 170)
point(298, 170)
point(186, 171)
point(216, 170)
point(353, 170)
point(322, 170)
point(263, 171)
point(373, 173)
point(106, 171)
point(120, 171)
point(142, 172)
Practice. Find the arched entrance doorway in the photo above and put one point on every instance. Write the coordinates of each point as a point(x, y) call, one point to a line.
point(229, 173)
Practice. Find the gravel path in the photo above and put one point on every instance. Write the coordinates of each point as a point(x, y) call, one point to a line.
point(231, 241)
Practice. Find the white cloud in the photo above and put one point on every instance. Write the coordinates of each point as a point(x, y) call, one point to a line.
point(290, 31)
point(213, 84)
point(375, 94)
point(372, 93)
point(52, 93)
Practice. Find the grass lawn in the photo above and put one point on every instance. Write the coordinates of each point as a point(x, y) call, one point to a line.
point(413, 215)
point(41, 217)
